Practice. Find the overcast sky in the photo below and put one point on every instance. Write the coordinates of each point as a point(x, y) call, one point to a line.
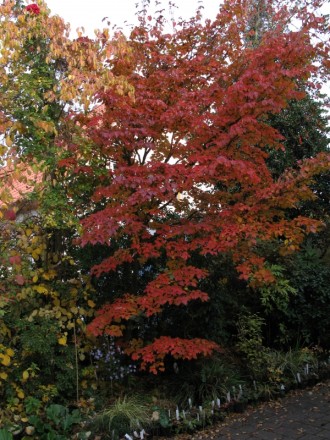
point(122, 13)
point(89, 13)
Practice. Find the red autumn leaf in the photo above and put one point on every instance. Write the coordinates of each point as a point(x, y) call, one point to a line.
point(153, 355)
point(33, 9)
point(15, 260)
point(10, 214)
point(20, 280)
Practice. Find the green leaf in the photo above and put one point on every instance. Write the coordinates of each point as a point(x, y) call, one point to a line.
point(56, 413)
point(5, 435)
point(164, 420)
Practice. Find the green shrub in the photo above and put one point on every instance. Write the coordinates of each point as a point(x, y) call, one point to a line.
point(250, 344)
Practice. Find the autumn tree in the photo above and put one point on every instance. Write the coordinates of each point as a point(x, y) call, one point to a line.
point(181, 167)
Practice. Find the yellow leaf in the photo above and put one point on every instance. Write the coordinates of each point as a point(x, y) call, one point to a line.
point(3, 375)
point(62, 340)
point(35, 278)
point(39, 250)
point(9, 142)
point(40, 289)
point(18, 126)
point(5, 360)
point(3, 149)
point(91, 303)
point(25, 375)
point(10, 352)
point(48, 127)
point(34, 313)
point(20, 394)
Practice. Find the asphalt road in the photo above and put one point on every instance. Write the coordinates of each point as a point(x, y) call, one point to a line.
point(302, 414)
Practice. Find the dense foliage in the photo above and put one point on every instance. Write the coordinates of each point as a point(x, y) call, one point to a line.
point(178, 184)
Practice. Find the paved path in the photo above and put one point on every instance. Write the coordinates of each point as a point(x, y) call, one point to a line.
point(303, 414)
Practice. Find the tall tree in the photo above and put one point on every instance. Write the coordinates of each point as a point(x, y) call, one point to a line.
point(184, 164)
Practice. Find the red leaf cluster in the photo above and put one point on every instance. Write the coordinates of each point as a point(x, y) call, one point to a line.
point(33, 9)
point(153, 355)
